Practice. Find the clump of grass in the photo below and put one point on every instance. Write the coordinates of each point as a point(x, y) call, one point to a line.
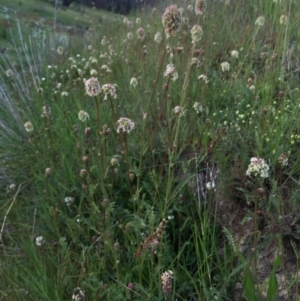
point(125, 144)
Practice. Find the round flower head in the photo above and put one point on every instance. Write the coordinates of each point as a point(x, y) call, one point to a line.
point(283, 160)
point(109, 89)
point(83, 116)
point(158, 37)
point(179, 111)
point(60, 50)
point(260, 21)
point(46, 111)
point(225, 66)
point(9, 73)
point(196, 33)
point(200, 7)
point(28, 126)
point(234, 54)
point(204, 78)
point(257, 168)
point(125, 125)
point(171, 71)
point(39, 241)
point(171, 20)
point(140, 33)
point(129, 36)
point(92, 86)
point(198, 107)
point(283, 20)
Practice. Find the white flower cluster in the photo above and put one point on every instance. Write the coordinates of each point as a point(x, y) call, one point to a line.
point(257, 168)
point(171, 71)
point(124, 124)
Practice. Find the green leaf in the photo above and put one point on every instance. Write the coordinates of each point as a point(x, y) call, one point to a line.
point(273, 287)
point(277, 263)
point(249, 287)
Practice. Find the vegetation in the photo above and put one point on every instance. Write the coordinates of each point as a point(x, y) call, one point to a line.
point(150, 157)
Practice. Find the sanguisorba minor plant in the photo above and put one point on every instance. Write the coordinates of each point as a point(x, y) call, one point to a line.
point(117, 149)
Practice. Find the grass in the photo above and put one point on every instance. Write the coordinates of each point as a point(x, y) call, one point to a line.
point(163, 204)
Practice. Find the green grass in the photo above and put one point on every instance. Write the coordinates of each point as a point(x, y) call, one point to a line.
point(85, 205)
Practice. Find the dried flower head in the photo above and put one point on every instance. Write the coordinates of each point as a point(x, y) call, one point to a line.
point(39, 241)
point(198, 107)
point(166, 281)
point(83, 116)
point(46, 111)
point(171, 71)
point(78, 294)
point(171, 20)
point(125, 125)
point(204, 78)
point(92, 86)
point(28, 126)
point(158, 37)
point(200, 7)
point(225, 66)
point(9, 73)
point(179, 111)
point(257, 168)
point(196, 33)
point(283, 160)
point(114, 161)
point(60, 50)
point(133, 82)
point(109, 89)
point(195, 62)
point(260, 21)
point(129, 36)
point(140, 33)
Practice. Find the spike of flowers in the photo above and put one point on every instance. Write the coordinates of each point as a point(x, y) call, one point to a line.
point(171, 20)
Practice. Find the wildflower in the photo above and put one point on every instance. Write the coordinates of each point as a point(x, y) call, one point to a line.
point(179, 111)
point(234, 54)
point(90, 47)
point(171, 71)
point(204, 78)
point(200, 7)
point(154, 10)
point(92, 86)
point(260, 21)
point(140, 33)
point(93, 72)
point(106, 68)
point(195, 61)
point(210, 185)
point(64, 93)
point(125, 20)
point(9, 73)
point(125, 125)
point(225, 66)
point(252, 88)
point(133, 82)
point(48, 171)
point(103, 41)
point(60, 50)
point(158, 37)
point(39, 241)
point(78, 294)
point(28, 126)
point(12, 187)
point(166, 281)
point(171, 20)
point(189, 8)
point(196, 33)
point(109, 89)
point(138, 21)
point(257, 168)
point(46, 111)
point(114, 161)
point(283, 160)
point(69, 201)
point(283, 20)
point(129, 36)
point(83, 116)
point(198, 107)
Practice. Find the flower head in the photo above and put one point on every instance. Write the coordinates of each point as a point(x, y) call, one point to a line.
point(125, 125)
point(257, 168)
point(158, 37)
point(166, 281)
point(39, 241)
point(60, 50)
point(28, 126)
point(198, 107)
point(83, 116)
point(179, 111)
point(234, 54)
point(109, 89)
point(283, 160)
point(133, 82)
point(200, 7)
point(129, 36)
point(260, 21)
point(171, 71)
point(69, 201)
point(196, 33)
point(171, 20)
point(92, 86)
point(46, 111)
point(283, 20)
point(78, 294)
point(140, 33)
point(225, 66)
point(204, 78)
